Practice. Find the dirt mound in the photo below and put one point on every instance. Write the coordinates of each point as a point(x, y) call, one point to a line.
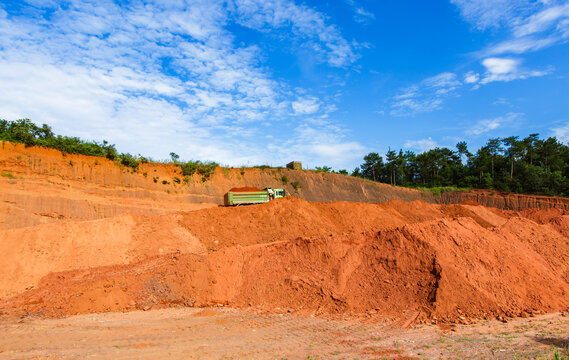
point(448, 270)
point(458, 266)
point(244, 189)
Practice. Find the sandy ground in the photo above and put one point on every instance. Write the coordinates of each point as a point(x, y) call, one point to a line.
point(224, 333)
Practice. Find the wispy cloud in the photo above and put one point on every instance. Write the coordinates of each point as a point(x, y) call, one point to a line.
point(305, 106)
point(421, 145)
point(303, 22)
point(488, 125)
point(507, 69)
point(562, 133)
point(168, 75)
point(426, 96)
point(324, 144)
point(532, 25)
point(361, 15)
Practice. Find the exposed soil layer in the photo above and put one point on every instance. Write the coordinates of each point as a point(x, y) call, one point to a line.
point(505, 201)
point(408, 261)
point(40, 185)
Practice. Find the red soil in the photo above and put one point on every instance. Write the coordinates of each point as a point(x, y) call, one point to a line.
point(408, 261)
point(244, 189)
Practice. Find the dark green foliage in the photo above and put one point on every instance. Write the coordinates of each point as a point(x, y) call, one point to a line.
point(284, 179)
point(529, 165)
point(129, 160)
point(24, 131)
point(325, 169)
point(177, 180)
point(343, 172)
point(200, 167)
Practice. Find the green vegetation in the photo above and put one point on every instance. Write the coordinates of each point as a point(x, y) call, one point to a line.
point(295, 185)
point(203, 168)
point(325, 169)
point(284, 179)
point(437, 190)
point(560, 354)
point(529, 165)
point(24, 131)
point(8, 175)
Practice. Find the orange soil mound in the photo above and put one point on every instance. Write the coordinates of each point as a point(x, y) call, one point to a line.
point(244, 189)
point(411, 261)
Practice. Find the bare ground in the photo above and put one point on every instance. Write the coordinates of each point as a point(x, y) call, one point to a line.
point(225, 333)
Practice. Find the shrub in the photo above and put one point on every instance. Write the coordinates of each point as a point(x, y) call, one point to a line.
point(284, 179)
point(325, 169)
point(8, 175)
point(129, 160)
point(203, 168)
point(295, 185)
point(177, 180)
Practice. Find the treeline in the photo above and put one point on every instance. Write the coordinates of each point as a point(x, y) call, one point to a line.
point(529, 165)
point(24, 131)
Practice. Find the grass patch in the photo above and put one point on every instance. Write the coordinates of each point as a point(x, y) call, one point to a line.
point(8, 175)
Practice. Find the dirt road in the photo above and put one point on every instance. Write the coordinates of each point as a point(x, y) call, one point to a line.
point(223, 333)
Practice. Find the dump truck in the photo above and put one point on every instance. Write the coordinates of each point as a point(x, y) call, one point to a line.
point(247, 196)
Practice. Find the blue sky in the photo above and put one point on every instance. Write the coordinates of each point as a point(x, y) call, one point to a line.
point(248, 82)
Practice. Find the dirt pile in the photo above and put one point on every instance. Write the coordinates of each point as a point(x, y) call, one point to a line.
point(244, 189)
point(409, 261)
point(68, 245)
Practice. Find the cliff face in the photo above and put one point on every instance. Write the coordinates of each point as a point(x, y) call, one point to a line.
point(505, 201)
point(39, 185)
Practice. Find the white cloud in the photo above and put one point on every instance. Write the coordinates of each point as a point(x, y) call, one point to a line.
point(320, 145)
point(305, 106)
point(562, 133)
point(498, 66)
point(361, 15)
point(426, 96)
point(506, 69)
point(471, 77)
point(421, 145)
point(486, 14)
point(487, 125)
point(532, 25)
point(543, 20)
point(303, 21)
point(168, 75)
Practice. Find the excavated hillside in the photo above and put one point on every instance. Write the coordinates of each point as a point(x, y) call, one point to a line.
point(40, 185)
point(81, 234)
point(505, 201)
